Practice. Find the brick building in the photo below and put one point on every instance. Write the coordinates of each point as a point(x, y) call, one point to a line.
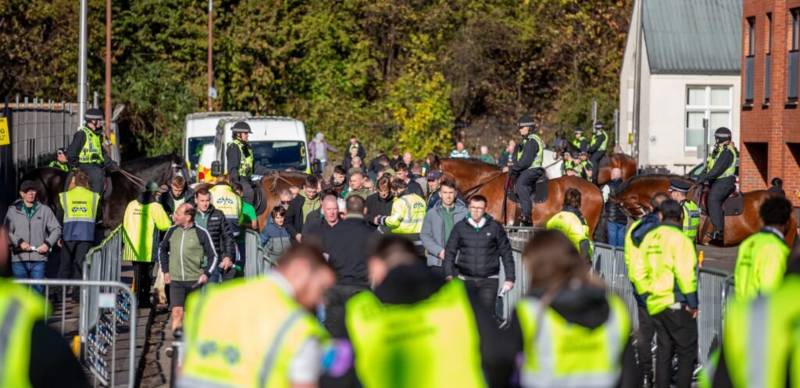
point(770, 118)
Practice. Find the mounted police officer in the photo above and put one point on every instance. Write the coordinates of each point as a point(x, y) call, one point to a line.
point(86, 151)
point(720, 173)
point(579, 143)
point(241, 164)
point(597, 148)
point(60, 162)
point(528, 167)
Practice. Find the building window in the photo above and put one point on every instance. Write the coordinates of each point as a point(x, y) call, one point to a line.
point(794, 57)
point(768, 61)
point(749, 61)
point(706, 102)
point(751, 36)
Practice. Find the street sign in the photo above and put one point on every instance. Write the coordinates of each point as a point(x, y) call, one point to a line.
point(5, 136)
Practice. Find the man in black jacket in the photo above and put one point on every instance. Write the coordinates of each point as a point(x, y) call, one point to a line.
point(380, 203)
point(616, 220)
point(474, 251)
point(347, 245)
point(405, 175)
point(301, 206)
point(177, 195)
point(221, 232)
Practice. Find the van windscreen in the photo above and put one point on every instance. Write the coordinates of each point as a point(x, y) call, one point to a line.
point(279, 155)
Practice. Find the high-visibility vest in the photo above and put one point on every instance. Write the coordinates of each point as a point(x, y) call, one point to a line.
point(760, 264)
point(244, 333)
point(761, 337)
point(408, 214)
point(537, 161)
point(570, 165)
point(691, 219)
point(634, 260)
point(20, 308)
point(139, 227)
point(573, 227)
point(433, 343)
point(577, 142)
point(58, 165)
point(80, 213)
point(228, 202)
point(603, 144)
point(670, 264)
point(245, 162)
point(563, 354)
point(712, 159)
point(92, 150)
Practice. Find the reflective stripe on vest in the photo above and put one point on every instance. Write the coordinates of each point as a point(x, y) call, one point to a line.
point(604, 144)
point(245, 162)
point(576, 141)
point(227, 201)
point(712, 160)
point(58, 165)
point(80, 213)
point(691, 219)
point(550, 361)
point(92, 151)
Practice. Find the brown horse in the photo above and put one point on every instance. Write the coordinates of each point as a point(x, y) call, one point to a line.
point(635, 194)
point(273, 184)
point(625, 163)
point(468, 174)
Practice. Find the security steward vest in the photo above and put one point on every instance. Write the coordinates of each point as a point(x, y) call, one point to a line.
point(573, 227)
point(138, 229)
point(634, 261)
point(92, 151)
point(563, 354)
point(603, 143)
point(712, 160)
point(228, 202)
point(691, 219)
point(433, 343)
point(760, 264)
point(245, 159)
point(225, 350)
point(19, 310)
point(761, 337)
point(408, 214)
point(80, 213)
point(537, 161)
point(58, 165)
point(670, 266)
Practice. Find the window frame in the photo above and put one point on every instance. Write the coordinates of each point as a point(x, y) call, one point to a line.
point(707, 109)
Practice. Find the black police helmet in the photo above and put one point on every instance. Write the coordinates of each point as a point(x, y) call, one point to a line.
point(241, 127)
point(722, 134)
point(93, 114)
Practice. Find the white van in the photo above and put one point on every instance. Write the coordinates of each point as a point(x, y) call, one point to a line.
point(199, 131)
point(278, 143)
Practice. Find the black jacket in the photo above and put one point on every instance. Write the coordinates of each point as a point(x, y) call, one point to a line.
point(529, 151)
point(377, 206)
point(601, 137)
point(347, 245)
point(294, 216)
point(73, 151)
point(476, 252)
point(167, 201)
point(221, 232)
point(415, 188)
point(614, 211)
point(723, 162)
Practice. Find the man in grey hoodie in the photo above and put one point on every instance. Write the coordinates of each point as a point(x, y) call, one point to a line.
point(439, 223)
point(33, 230)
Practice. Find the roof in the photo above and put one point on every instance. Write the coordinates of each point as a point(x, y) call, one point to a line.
point(693, 36)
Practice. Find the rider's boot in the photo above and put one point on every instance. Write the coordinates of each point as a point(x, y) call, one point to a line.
point(525, 221)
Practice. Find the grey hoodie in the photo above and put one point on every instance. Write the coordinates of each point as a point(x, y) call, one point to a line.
point(41, 228)
point(432, 234)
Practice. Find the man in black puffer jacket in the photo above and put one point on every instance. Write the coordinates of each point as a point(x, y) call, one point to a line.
point(221, 232)
point(474, 251)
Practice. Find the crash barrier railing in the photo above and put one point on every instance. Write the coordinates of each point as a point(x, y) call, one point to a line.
point(518, 236)
point(103, 263)
point(256, 261)
point(115, 312)
point(713, 288)
point(176, 358)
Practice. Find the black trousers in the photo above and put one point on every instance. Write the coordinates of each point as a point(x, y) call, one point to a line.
point(247, 190)
point(720, 190)
point(96, 176)
point(486, 290)
point(644, 341)
point(524, 188)
point(73, 254)
point(595, 158)
point(335, 300)
point(676, 334)
point(143, 276)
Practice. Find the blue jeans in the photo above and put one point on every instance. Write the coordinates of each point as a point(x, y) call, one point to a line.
point(29, 270)
point(616, 234)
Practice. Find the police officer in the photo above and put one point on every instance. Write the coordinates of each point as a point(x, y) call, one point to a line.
point(527, 167)
point(80, 208)
point(86, 150)
point(60, 161)
point(574, 332)
point(691, 213)
point(597, 147)
point(258, 332)
point(669, 289)
point(579, 143)
point(241, 164)
point(585, 167)
point(570, 221)
point(570, 164)
point(407, 215)
point(418, 330)
point(761, 260)
point(721, 174)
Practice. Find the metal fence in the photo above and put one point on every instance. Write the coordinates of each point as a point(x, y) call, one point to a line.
point(256, 261)
point(116, 317)
point(103, 263)
point(609, 263)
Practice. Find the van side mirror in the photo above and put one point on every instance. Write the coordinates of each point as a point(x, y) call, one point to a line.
point(216, 168)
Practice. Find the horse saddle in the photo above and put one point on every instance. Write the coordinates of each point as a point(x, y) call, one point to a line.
point(540, 191)
point(732, 206)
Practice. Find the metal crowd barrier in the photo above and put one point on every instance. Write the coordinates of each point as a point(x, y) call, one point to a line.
point(256, 261)
point(609, 263)
point(116, 315)
point(103, 263)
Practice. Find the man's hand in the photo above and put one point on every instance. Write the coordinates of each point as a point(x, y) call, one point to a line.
point(25, 246)
point(298, 237)
point(60, 243)
point(167, 278)
point(376, 220)
point(441, 254)
point(505, 169)
point(507, 286)
point(43, 249)
point(694, 312)
point(203, 279)
point(226, 263)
